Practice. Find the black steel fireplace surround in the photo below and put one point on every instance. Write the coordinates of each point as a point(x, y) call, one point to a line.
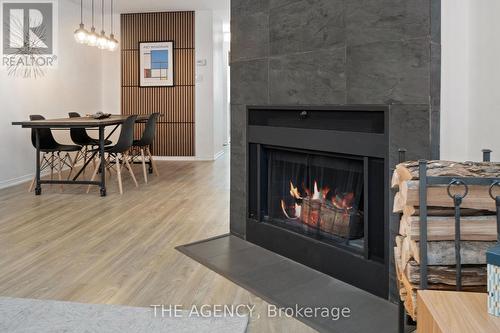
point(317, 189)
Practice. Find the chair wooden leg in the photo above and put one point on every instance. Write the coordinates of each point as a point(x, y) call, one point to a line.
point(153, 163)
point(71, 164)
point(59, 169)
point(110, 168)
point(76, 156)
point(85, 153)
point(32, 184)
point(52, 166)
point(93, 177)
point(119, 173)
point(93, 161)
point(144, 166)
point(125, 158)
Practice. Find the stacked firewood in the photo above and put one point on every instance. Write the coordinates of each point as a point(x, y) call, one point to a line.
point(478, 228)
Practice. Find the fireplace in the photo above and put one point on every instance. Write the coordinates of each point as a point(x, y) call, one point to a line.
point(316, 195)
point(317, 185)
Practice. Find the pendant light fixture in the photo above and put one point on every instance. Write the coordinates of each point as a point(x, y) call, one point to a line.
point(112, 42)
point(81, 33)
point(92, 36)
point(102, 41)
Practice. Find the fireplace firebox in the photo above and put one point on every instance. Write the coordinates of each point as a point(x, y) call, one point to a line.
point(317, 189)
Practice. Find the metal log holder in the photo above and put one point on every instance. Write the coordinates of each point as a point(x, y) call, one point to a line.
point(458, 189)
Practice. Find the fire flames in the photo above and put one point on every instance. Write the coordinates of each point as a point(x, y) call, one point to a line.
point(323, 210)
point(314, 207)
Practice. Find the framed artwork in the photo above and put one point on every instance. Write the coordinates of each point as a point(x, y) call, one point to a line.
point(156, 64)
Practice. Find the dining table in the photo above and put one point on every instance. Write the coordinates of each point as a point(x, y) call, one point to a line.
point(86, 122)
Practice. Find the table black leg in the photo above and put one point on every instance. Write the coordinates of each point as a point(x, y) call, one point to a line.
point(93, 155)
point(38, 187)
point(103, 162)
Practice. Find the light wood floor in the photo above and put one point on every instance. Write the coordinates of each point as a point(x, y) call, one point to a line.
point(120, 249)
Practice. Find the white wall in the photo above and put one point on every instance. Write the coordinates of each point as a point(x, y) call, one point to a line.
point(204, 90)
point(111, 77)
point(211, 85)
point(221, 105)
point(484, 76)
point(455, 79)
point(470, 109)
point(73, 86)
point(210, 89)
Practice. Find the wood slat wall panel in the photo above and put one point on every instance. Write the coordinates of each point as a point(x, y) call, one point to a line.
point(175, 104)
point(175, 132)
point(183, 67)
point(173, 139)
point(176, 26)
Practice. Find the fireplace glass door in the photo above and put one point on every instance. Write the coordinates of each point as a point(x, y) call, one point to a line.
point(319, 196)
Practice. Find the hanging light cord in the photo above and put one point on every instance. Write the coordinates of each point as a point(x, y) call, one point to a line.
point(102, 17)
point(92, 13)
point(111, 16)
point(81, 11)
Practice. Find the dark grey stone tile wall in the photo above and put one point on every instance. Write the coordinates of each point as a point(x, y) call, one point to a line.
point(306, 26)
point(252, 36)
point(250, 82)
point(309, 52)
point(369, 21)
point(308, 77)
point(238, 201)
point(388, 72)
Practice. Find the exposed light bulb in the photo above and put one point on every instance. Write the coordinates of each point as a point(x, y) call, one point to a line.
point(112, 43)
point(81, 34)
point(92, 37)
point(102, 41)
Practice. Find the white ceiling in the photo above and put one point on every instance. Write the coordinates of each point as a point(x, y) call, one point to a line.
point(128, 6)
point(138, 6)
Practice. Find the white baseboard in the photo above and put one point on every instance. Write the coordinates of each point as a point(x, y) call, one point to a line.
point(189, 158)
point(176, 158)
point(219, 154)
point(29, 177)
point(16, 181)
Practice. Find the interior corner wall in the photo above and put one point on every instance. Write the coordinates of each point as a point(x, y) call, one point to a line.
point(75, 85)
point(205, 145)
point(455, 41)
point(204, 90)
point(471, 76)
point(175, 132)
point(110, 75)
point(484, 79)
point(221, 107)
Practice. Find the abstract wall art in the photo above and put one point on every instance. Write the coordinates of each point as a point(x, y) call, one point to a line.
point(156, 64)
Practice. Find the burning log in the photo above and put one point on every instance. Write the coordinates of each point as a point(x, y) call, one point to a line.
point(336, 217)
point(341, 223)
point(310, 212)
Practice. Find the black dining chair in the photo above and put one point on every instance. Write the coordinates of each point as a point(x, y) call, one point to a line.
point(52, 150)
point(80, 137)
point(141, 146)
point(118, 155)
